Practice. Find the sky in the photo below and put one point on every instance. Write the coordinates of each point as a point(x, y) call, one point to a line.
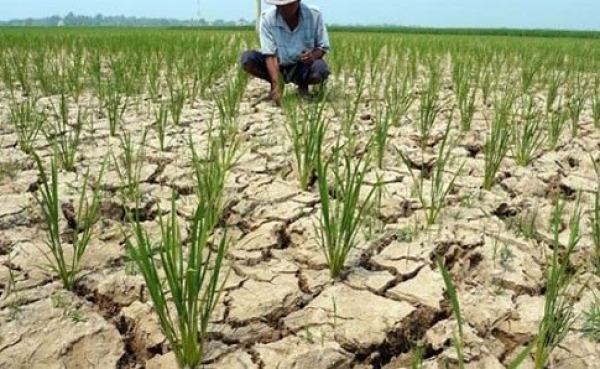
point(555, 14)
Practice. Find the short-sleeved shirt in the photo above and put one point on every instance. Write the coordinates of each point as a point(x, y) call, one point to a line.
point(276, 38)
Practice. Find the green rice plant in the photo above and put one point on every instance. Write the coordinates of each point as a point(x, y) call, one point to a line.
point(153, 76)
point(554, 82)
point(528, 134)
point(595, 222)
point(433, 197)
point(177, 98)
point(465, 80)
point(595, 97)
point(306, 129)
point(160, 124)
point(531, 65)
point(192, 272)
point(20, 68)
point(82, 232)
point(559, 313)
point(398, 95)
point(228, 102)
point(351, 102)
point(192, 278)
point(74, 73)
point(211, 170)
point(115, 104)
point(340, 217)
point(556, 122)
point(382, 125)
point(429, 103)
point(27, 121)
point(454, 302)
point(129, 167)
point(498, 141)
point(577, 98)
point(64, 135)
point(47, 79)
point(487, 83)
point(591, 324)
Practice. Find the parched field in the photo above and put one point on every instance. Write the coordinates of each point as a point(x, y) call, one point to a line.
point(436, 206)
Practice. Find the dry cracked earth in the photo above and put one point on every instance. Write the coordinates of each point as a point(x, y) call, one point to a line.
point(280, 308)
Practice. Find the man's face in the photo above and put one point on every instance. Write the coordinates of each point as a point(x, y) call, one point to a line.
point(288, 10)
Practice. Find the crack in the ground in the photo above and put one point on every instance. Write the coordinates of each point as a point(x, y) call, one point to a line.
point(398, 340)
point(399, 278)
point(110, 310)
point(255, 356)
point(375, 248)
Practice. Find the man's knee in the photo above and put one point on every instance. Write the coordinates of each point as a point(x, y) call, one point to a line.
point(247, 58)
point(319, 71)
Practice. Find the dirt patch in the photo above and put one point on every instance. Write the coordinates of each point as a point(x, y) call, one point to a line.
point(280, 307)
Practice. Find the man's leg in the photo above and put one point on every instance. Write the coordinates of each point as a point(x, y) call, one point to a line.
point(318, 73)
point(313, 74)
point(255, 64)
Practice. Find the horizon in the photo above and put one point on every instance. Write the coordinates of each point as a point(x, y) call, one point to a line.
point(577, 15)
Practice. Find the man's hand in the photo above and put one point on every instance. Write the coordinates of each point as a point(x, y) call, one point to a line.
point(275, 95)
point(308, 57)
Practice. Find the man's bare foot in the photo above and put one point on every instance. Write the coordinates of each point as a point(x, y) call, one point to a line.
point(304, 93)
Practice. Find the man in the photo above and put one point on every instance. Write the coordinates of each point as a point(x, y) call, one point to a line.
point(293, 41)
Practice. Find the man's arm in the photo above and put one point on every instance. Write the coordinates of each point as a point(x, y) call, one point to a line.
point(322, 38)
point(269, 48)
point(273, 69)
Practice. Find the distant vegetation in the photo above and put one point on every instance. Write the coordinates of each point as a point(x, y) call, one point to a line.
point(118, 21)
point(123, 21)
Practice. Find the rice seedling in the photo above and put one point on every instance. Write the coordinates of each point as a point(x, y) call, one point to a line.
point(398, 95)
point(64, 135)
point(81, 232)
point(453, 296)
point(527, 133)
point(433, 197)
point(559, 314)
point(556, 123)
point(192, 277)
point(465, 81)
point(115, 104)
point(341, 216)
point(177, 98)
point(129, 166)
point(211, 169)
point(498, 140)
point(161, 124)
point(27, 121)
point(577, 93)
point(351, 102)
point(595, 222)
point(553, 84)
point(595, 97)
point(429, 104)
point(228, 102)
point(306, 130)
point(591, 324)
point(382, 125)
point(531, 65)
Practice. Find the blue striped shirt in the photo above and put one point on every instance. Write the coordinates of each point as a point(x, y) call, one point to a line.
point(276, 38)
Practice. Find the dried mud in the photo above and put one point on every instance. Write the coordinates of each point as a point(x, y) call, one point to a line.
point(280, 308)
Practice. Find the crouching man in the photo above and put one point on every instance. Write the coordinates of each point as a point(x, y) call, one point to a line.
point(293, 41)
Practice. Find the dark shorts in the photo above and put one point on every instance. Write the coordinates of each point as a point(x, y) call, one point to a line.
point(297, 74)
